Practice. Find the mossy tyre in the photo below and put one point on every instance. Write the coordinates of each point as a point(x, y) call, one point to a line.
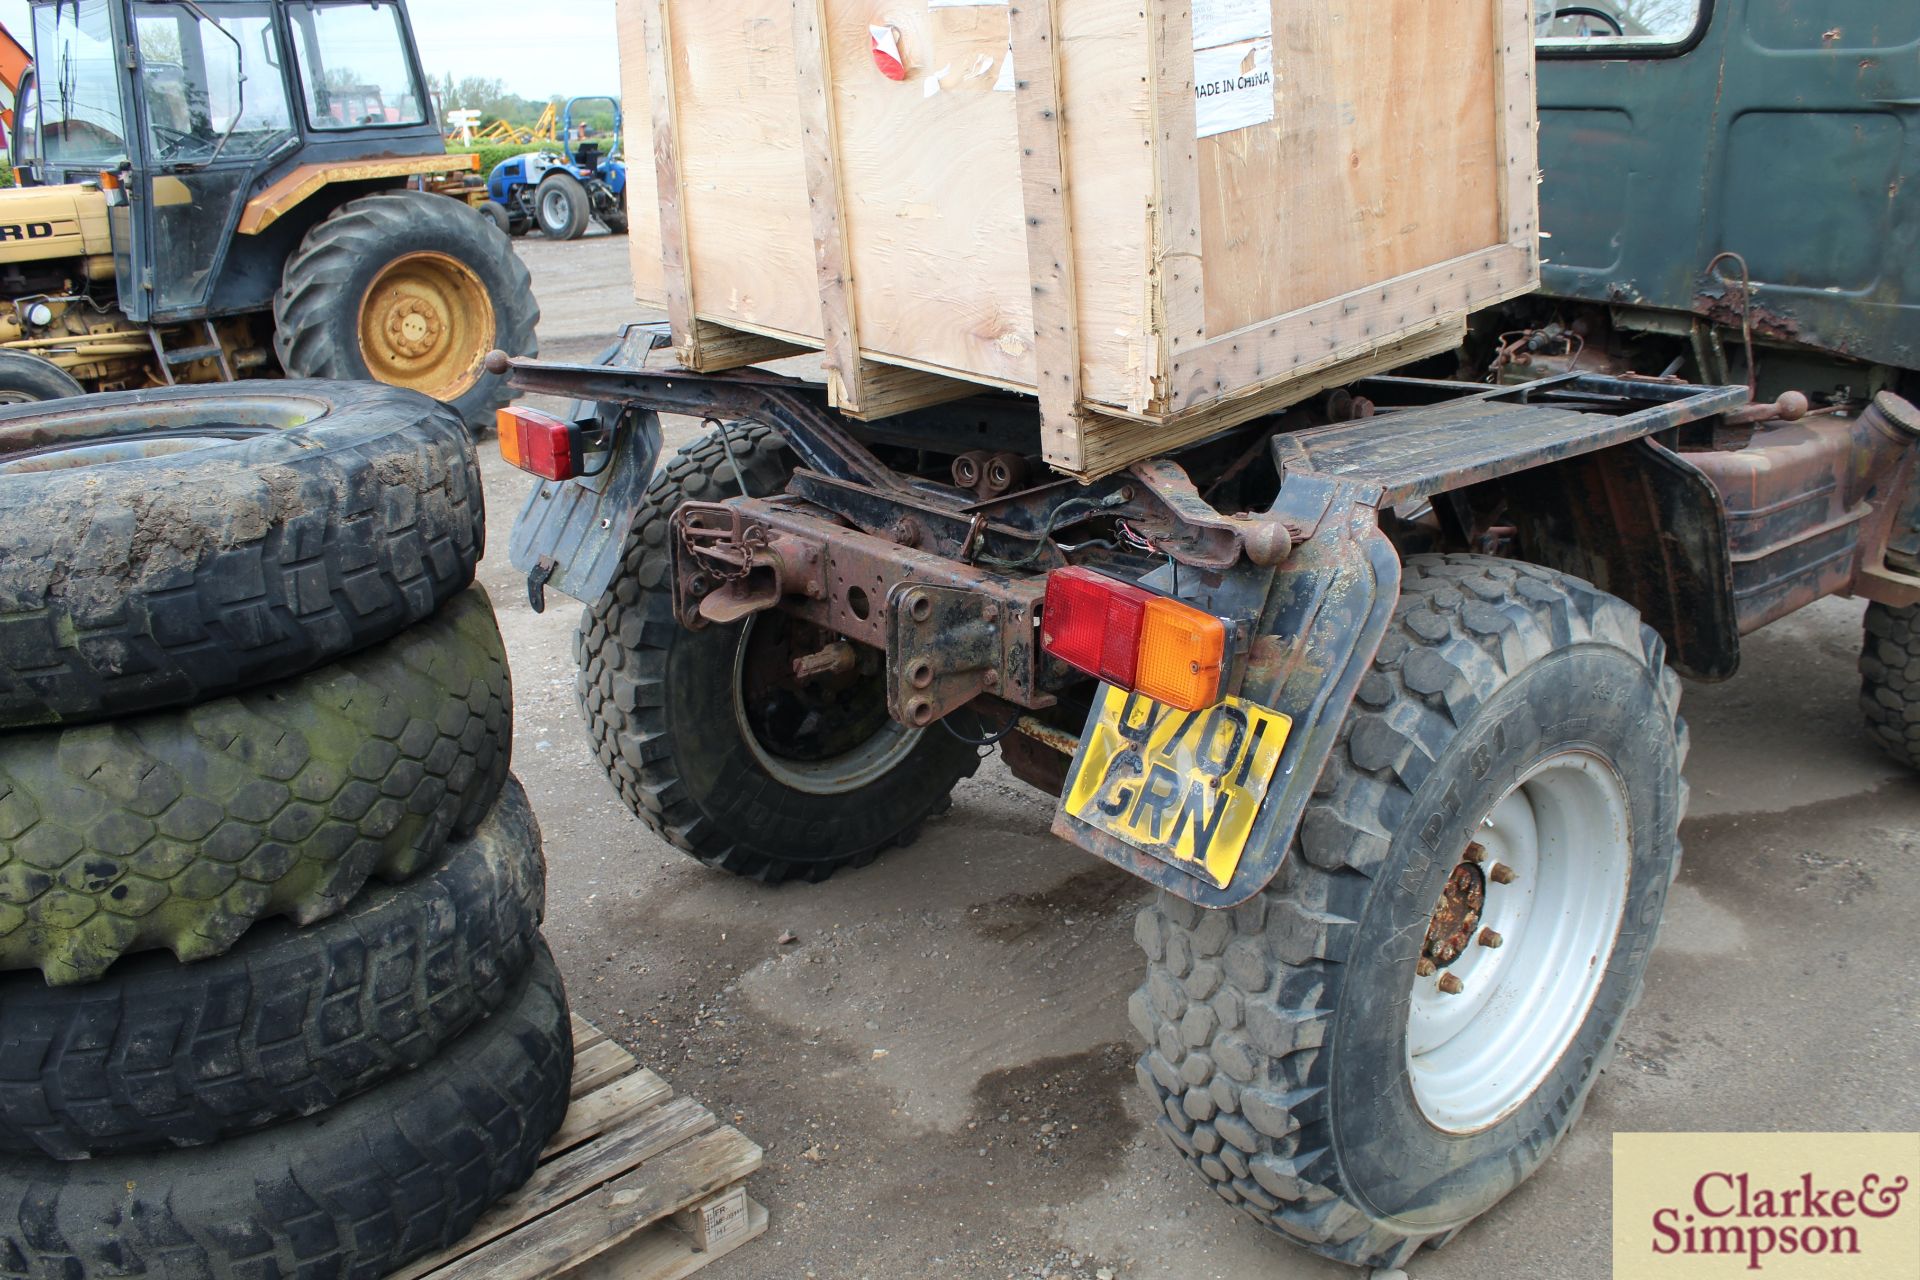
point(352, 1194)
point(1396, 1032)
point(711, 738)
point(159, 548)
point(409, 289)
point(180, 829)
point(289, 1023)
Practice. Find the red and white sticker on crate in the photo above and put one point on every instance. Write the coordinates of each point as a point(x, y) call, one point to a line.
point(1233, 77)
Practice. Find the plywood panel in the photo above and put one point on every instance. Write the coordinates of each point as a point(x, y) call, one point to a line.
point(931, 189)
point(1383, 157)
point(749, 236)
point(643, 192)
point(1106, 105)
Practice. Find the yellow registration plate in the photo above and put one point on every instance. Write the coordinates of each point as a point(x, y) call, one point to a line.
point(1185, 786)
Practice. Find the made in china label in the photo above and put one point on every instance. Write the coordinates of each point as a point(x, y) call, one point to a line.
point(1233, 85)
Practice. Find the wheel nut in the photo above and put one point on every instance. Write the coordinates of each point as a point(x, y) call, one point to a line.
point(1489, 939)
point(1450, 983)
point(1424, 967)
point(1476, 852)
point(1501, 874)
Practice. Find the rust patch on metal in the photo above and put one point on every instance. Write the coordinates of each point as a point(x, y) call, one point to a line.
point(1457, 918)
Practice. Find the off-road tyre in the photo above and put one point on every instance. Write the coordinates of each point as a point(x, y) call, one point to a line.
point(355, 1193)
point(287, 1024)
point(1890, 680)
point(658, 703)
point(181, 829)
point(556, 224)
point(317, 310)
point(1276, 1032)
point(26, 379)
point(348, 514)
point(498, 216)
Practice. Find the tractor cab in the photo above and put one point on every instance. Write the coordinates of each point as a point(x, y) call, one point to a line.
point(196, 136)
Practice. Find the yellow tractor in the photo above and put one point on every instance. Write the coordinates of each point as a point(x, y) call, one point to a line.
point(227, 189)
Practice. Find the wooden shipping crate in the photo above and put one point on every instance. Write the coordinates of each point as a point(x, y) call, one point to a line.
point(1164, 217)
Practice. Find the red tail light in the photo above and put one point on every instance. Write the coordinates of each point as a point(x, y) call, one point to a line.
point(536, 442)
point(1093, 622)
point(1132, 638)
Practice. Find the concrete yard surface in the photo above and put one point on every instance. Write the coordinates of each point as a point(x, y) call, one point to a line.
point(934, 1051)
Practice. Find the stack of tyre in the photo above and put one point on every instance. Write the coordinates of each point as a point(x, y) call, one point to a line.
point(275, 1000)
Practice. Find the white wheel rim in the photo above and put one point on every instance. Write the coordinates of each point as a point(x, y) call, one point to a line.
point(1475, 1055)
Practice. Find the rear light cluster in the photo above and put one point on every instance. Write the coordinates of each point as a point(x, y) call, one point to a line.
point(537, 442)
point(1130, 637)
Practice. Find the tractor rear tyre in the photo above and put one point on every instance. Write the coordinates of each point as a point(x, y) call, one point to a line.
point(409, 289)
point(563, 207)
point(709, 737)
point(26, 379)
point(1396, 1032)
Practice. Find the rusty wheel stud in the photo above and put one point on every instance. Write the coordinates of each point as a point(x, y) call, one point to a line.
point(1501, 873)
point(1489, 939)
point(1450, 983)
point(1476, 852)
point(1424, 967)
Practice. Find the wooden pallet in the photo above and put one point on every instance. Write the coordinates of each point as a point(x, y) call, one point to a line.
point(636, 1185)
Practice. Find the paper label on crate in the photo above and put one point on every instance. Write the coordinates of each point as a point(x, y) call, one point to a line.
point(1233, 86)
point(1223, 22)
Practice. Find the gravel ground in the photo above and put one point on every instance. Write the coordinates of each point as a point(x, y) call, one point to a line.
point(939, 1065)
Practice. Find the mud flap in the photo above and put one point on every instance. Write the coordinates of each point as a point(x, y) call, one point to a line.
point(570, 534)
point(1327, 612)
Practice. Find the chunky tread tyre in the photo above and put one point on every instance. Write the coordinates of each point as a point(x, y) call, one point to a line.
point(26, 379)
point(699, 790)
point(288, 1023)
point(579, 207)
point(356, 1193)
point(1890, 680)
point(168, 580)
point(181, 829)
point(317, 310)
point(1248, 1014)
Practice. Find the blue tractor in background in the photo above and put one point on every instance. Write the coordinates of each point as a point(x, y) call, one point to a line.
point(562, 192)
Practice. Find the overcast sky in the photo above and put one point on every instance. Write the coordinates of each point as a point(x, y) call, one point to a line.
point(539, 47)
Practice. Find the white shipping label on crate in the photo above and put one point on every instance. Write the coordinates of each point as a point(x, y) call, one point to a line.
point(1220, 22)
point(1233, 86)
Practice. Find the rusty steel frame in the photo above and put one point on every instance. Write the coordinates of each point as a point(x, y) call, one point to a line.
point(949, 584)
point(951, 632)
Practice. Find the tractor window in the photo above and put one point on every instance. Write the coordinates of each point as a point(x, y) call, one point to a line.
point(80, 122)
point(1615, 27)
point(212, 87)
point(354, 67)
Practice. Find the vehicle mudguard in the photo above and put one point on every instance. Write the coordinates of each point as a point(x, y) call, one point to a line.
point(1327, 611)
point(570, 533)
